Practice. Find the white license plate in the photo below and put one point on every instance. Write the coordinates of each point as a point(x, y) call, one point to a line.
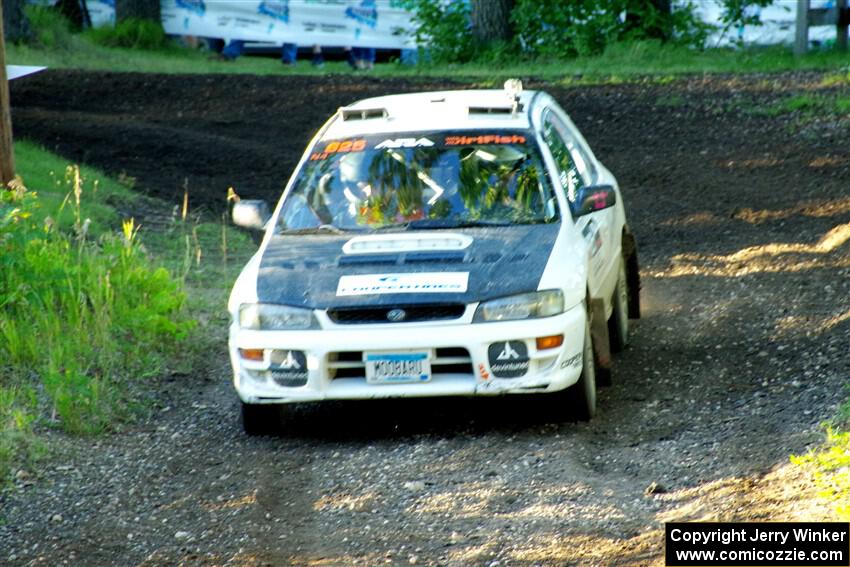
point(397, 367)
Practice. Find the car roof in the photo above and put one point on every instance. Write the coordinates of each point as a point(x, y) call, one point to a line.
point(430, 111)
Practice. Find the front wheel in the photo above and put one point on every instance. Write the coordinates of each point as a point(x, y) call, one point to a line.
point(260, 419)
point(618, 324)
point(581, 396)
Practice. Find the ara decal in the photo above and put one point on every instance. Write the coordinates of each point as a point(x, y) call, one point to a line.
point(404, 143)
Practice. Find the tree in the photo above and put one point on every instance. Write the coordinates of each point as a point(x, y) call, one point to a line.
point(491, 20)
point(73, 12)
point(137, 9)
point(15, 20)
point(7, 161)
point(650, 18)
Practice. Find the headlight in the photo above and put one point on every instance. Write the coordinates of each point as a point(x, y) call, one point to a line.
point(525, 306)
point(268, 317)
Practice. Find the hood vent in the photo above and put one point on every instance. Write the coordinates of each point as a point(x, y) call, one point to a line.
point(493, 110)
point(394, 243)
point(350, 114)
point(368, 260)
point(434, 258)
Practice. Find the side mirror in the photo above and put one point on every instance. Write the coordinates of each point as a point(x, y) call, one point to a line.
point(251, 213)
point(594, 198)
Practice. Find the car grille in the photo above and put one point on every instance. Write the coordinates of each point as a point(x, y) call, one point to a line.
point(349, 364)
point(413, 313)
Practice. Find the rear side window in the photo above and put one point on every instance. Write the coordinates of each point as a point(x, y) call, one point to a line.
point(575, 168)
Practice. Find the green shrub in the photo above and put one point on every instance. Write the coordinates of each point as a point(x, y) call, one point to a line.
point(444, 28)
point(553, 29)
point(83, 320)
point(132, 34)
point(50, 28)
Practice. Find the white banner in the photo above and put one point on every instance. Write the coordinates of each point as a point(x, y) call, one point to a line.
point(778, 23)
point(18, 71)
point(101, 12)
point(329, 23)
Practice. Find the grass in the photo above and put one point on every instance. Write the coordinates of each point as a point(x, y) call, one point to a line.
point(620, 62)
point(54, 180)
point(807, 105)
point(825, 101)
point(89, 313)
point(829, 465)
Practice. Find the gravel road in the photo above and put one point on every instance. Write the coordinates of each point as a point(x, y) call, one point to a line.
point(743, 223)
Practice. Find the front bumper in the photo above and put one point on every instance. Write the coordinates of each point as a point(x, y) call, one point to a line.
point(459, 359)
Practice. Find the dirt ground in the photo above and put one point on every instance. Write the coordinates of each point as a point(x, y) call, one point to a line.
point(742, 217)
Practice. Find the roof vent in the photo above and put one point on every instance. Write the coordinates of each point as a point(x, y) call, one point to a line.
point(489, 110)
point(363, 114)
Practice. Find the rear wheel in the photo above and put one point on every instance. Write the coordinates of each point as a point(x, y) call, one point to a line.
point(618, 324)
point(581, 396)
point(260, 419)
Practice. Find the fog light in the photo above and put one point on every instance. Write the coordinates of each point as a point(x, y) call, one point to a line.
point(552, 341)
point(252, 353)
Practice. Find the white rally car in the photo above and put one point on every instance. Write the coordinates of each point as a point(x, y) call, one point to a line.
point(436, 244)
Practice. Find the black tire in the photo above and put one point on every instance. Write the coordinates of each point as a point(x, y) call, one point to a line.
point(260, 419)
point(618, 324)
point(581, 396)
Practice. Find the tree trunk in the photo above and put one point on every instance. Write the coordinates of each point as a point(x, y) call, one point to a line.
point(659, 27)
point(138, 9)
point(15, 21)
point(7, 159)
point(72, 10)
point(491, 20)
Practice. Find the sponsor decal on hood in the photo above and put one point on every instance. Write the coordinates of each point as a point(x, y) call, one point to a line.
point(422, 282)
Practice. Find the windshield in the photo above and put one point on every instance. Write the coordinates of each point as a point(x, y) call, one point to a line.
point(422, 180)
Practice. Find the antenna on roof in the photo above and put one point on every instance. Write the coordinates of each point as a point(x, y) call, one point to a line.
point(513, 88)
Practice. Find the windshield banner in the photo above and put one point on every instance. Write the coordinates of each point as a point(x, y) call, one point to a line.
point(329, 23)
point(330, 148)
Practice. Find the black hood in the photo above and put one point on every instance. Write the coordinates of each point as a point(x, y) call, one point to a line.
point(304, 270)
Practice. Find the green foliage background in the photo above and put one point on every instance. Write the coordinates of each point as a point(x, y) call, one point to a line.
point(554, 29)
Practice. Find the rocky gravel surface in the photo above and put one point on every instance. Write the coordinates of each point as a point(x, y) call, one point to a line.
point(743, 223)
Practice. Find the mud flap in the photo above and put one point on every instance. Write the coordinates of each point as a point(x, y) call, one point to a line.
point(599, 334)
point(632, 273)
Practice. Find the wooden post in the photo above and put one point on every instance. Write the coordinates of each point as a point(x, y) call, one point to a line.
point(841, 25)
point(801, 44)
point(839, 16)
point(7, 158)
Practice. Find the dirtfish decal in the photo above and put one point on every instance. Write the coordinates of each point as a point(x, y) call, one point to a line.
point(278, 9)
point(195, 6)
point(366, 13)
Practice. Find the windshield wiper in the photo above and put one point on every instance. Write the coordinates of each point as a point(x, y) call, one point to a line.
point(428, 224)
